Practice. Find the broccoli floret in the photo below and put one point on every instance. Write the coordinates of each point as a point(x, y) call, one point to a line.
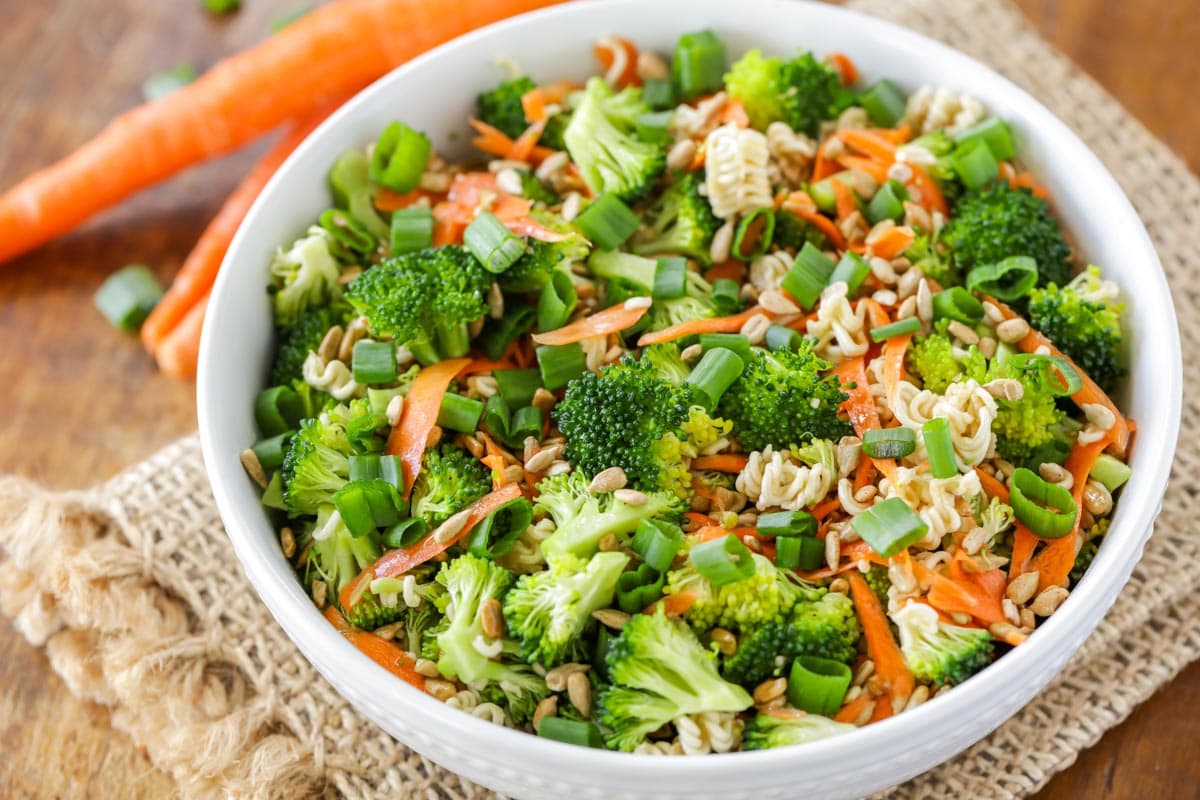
point(803, 92)
point(826, 627)
point(932, 359)
point(1030, 426)
point(470, 582)
point(990, 224)
point(629, 416)
point(879, 581)
point(533, 270)
point(450, 480)
point(935, 260)
point(501, 107)
point(583, 518)
point(336, 556)
point(768, 595)
point(316, 464)
point(783, 729)
point(425, 300)
point(296, 340)
point(601, 140)
point(1083, 319)
point(941, 146)
point(549, 610)
point(305, 276)
point(628, 271)
point(782, 399)
point(792, 233)
point(1092, 539)
point(667, 362)
point(660, 671)
point(533, 189)
point(938, 652)
point(682, 223)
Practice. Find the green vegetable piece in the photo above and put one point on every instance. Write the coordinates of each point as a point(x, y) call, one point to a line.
point(889, 526)
point(1047, 509)
point(571, 731)
point(889, 442)
point(607, 222)
point(399, 157)
point(818, 685)
point(128, 296)
point(958, 304)
point(459, 413)
point(939, 446)
point(657, 542)
point(885, 103)
point(1111, 472)
point(277, 410)
point(722, 561)
point(412, 229)
point(698, 66)
point(808, 276)
point(496, 534)
point(1007, 280)
point(557, 302)
point(899, 328)
point(559, 365)
point(374, 361)
point(638, 588)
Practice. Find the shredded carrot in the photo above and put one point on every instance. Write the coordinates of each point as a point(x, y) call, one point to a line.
point(803, 206)
point(846, 203)
point(892, 242)
point(611, 320)
point(383, 652)
point(534, 102)
point(869, 142)
point(897, 678)
point(733, 270)
point(893, 364)
point(725, 462)
point(618, 56)
point(845, 66)
point(1023, 180)
point(698, 519)
point(977, 594)
point(876, 169)
point(496, 142)
point(992, 485)
point(1056, 559)
point(855, 708)
point(522, 148)
point(930, 193)
point(823, 510)
point(823, 165)
point(859, 406)
point(386, 200)
point(479, 366)
point(730, 324)
point(419, 415)
point(1024, 543)
point(674, 605)
point(733, 111)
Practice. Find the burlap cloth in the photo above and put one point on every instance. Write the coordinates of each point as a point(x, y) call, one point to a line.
point(136, 595)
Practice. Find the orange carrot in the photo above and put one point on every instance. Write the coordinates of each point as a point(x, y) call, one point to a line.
point(854, 709)
point(877, 170)
point(976, 594)
point(844, 195)
point(619, 59)
point(422, 405)
point(725, 462)
point(931, 195)
point(534, 102)
point(892, 242)
point(1057, 558)
point(611, 320)
point(733, 270)
point(397, 562)
point(859, 406)
point(730, 324)
point(889, 662)
point(179, 351)
point(674, 605)
point(196, 276)
point(522, 148)
point(733, 111)
point(494, 141)
point(803, 206)
point(869, 142)
point(893, 364)
point(823, 165)
point(992, 485)
point(823, 510)
point(383, 652)
point(387, 200)
point(1022, 180)
point(709, 532)
point(842, 63)
point(328, 53)
point(1090, 393)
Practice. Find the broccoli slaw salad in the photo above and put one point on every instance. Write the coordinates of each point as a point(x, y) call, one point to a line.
point(717, 403)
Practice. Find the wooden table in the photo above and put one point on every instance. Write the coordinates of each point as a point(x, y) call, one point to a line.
point(81, 400)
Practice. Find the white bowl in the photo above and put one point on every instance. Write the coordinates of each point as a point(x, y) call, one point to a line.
point(436, 93)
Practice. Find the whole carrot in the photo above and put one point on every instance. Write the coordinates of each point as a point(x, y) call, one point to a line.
point(328, 53)
point(179, 352)
point(195, 278)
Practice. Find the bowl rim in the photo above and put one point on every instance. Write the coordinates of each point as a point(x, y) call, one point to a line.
point(305, 625)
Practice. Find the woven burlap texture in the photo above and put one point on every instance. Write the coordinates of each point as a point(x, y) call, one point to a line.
point(135, 593)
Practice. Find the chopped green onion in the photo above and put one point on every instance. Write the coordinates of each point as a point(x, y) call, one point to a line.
point(655, 127)
point(607, 222)
point(781, 337)
point(557, 301)
point(222, 6)
point(885, 103)
point(374, 362)
point(365, 467)
point(604, 642)
point(889, 442)
point(992, 132)
point(657, 542)
point(349, 235)
point(822, 191)
point(787, 523)
point(698, 66)
point(957, 303)
point(638, 588)
point(272, 496)
point(367, 505)
point(754, 234)
point(808, 275)
point(898, 328)
point(571, 731)
point(496, 534)
point(975, 165)
point(361, 431)
point(852, 270)
point(1047, 509)
point(459, 413)
point(670, 278)
point(498, 334)
point(559, 365)
point(270, 451)
point(525, 422)
point(726, 296)
point(517, 386)
point(799, 552)
point(818, 685)
point(1110, 471)
point(659, 94)
point(164, 83)
point(412, 229)
point(939, 447)
point(399, 157)
point(717, 370)
point(495, 246)
point(350, 184)
point(889, 526)
point(379, 399)
point(1060, 377)
point(128, 296)
point(1008, 280)
point(888, 203)
point(737, 342)
point(722, 561)
point(405, 533)
point(278, 409)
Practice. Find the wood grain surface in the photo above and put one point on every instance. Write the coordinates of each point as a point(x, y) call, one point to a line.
point(79, 400)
